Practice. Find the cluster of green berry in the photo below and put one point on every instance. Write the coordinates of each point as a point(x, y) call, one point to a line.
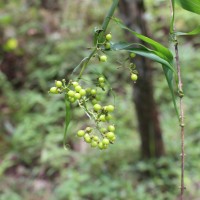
point(99, 114)
point(108, 137)
point(57, 89)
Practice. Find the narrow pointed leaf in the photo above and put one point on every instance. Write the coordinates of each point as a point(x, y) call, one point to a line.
point(153, 55)
point(190, 5)
point(157, 46)
point(194, 32)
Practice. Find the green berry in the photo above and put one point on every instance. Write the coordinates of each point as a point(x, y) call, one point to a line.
point(111, 128)
point(100, 145)
point(103, 130)
point(110, 135)
point(110, 108)
point(77, 96)
point(87, 138)
point(11, 44)
point(94, 101)
point(97, 107)
point(94, 144)
point(53, 90)
point(88, 129)
point(105, 141)
point(103, 58)
point(82, 92)
point(108, 37)
point(113, 139)
point(107, 45)
point(102, 85)
point(78, 88)
point(108, 117)
point(72, 99)
point(134, 77)
point(75, 84)
point(102, 118)
point(93, 91)
point(80, 133)
point(71, 93)
point(88, 90)
point(101, 79)
point(132, 55)
point(58, 83)
point(96, 138)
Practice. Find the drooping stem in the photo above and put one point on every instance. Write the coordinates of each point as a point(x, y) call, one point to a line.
point(180, 92)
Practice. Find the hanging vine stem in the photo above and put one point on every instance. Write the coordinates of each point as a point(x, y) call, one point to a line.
point(181, 94)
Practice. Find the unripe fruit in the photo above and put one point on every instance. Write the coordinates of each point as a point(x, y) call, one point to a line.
point(105, 141)
point(11, 44)
point(75, 84)
point(88, 129)
point(102, 85)
point(94, 144)
point(113, 139)
point(103, 58)
point(100, 145)
point(97, 107)
point(110, 108)
point(107, 45)
point(110, 135)
point(53, 90)
point(111, 128)
point(102, 118)
point(94, 101)
point(87, 138)
point(134, 77)
point(93, 91)
point(77, 96)
point(71, 93)
point(108, 117)
point(88, 90)
point(82, 92)
point(101, 79)
point(96, 138)
point(72, 99)
point(78, 88)
point(132, 55)
point(80, 133)
point(103, 130)
point(108, 37)
point(58, 83)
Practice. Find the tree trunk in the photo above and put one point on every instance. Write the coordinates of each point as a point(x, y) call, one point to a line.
point(152, 144)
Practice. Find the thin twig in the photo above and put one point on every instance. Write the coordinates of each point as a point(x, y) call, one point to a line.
point(180, 92)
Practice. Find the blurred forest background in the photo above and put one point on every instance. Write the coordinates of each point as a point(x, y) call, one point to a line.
point(41, 41)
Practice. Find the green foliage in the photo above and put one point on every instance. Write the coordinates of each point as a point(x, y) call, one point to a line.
point(192, 6)
point(33, 163)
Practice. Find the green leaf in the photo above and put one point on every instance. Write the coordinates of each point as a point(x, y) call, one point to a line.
point(153, 55)
point(157, 46)
point(190, 5)
point(194, 32)
point(67, 119)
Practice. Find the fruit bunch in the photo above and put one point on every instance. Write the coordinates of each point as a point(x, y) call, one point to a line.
point(87, 99)
point(107, 137)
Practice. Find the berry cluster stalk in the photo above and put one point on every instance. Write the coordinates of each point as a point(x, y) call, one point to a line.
point(180, 92)
point(104, 28)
